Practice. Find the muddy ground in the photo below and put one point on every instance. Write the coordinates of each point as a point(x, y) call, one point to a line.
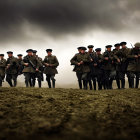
point(69, 114)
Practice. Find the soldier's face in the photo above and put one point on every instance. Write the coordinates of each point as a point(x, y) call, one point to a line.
point(30, 53)
point(90, 49)
point(82, 51)
point(1, 57)
point(10, 55)
point(34, 54)
point(118, 47)
point(123, 46)
point(19, 57)
point(98, 52)
point(49, 53)
point(109, 49)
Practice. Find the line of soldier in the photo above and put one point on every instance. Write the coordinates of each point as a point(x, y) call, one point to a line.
point(31, 66)
point(93, 67)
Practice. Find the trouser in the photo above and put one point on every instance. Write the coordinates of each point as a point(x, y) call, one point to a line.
point(1, 80)
point(137, 74)
point(131, 77)
point(10, 77)
point(29, 79)
point(108, 79)
point(50, 78)
point(38, 75)
point(91, 78)
point(82, 77)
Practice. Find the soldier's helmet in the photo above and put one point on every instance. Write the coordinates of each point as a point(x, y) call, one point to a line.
point(137, 44)
point(19, 55)
point(117, 45)
point(123, 43)
point(49, 50)
point(90, 46)
point(29, 50)
point(109, 46)
point(9, 52)
point(98, 49)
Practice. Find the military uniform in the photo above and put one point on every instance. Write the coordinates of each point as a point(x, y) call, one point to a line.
point(50, 70)
point(122, 66)
point(20, 69)
point(109, 68)
point(12, 70)
point(134, 66)
point(30, 70)
point(97, 71)
point(81, 70)
point(2, 69)
point(117, 64)
point(38, 75)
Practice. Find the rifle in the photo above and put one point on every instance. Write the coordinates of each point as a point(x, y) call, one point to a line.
point(32, 65)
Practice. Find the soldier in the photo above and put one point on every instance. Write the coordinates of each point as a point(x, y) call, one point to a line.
point(118, 64)
point(31, 66)
point(109, 67)
point(134, 66)
point(81, 61)
point(51, 63)
point(92, 74)
point(123, 63)
point(98, 66)
point(39, 75)
point(2, 68)
point(19, 59)
point(11, 69)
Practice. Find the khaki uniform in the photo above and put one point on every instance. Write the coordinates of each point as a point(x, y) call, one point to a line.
point(30, 70)
point(50, 71)
point(109, 68)
point(134, 67)
point(2, 70)
point(83, 70)
point(12, 71)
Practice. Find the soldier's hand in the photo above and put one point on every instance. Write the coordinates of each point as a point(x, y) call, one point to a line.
point(106, 58)
point(26, 64)
point(79, 64)
point(95, 64)
point(37, 69)
point(118, 60)
point(91, 59)
point(47, 64)
point(136, 56)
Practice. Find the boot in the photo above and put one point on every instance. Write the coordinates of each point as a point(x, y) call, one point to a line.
point(39, 84)
point(123, 83)
point(118, 83)
point(53, 83)
point(110, 84)
point(132, 82)
point(94, 84)
point(15, 83)
point(26, 83)
point(85, 84)
point(49, 84)
point(80, 84)
point(90, 85)
point(137, 83)
point(10, 83)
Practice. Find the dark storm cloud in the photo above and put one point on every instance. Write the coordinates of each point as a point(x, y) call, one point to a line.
point(60, 17)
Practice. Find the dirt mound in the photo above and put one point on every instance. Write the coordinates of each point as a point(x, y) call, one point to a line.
point(33, 113)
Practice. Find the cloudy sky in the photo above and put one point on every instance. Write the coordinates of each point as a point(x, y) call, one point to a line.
point(63, 25)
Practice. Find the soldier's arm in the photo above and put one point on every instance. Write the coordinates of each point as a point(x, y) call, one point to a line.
point(56, 62)
point(73, 60)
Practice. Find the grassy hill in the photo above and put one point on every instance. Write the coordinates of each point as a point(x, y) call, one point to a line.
point(33, 113)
